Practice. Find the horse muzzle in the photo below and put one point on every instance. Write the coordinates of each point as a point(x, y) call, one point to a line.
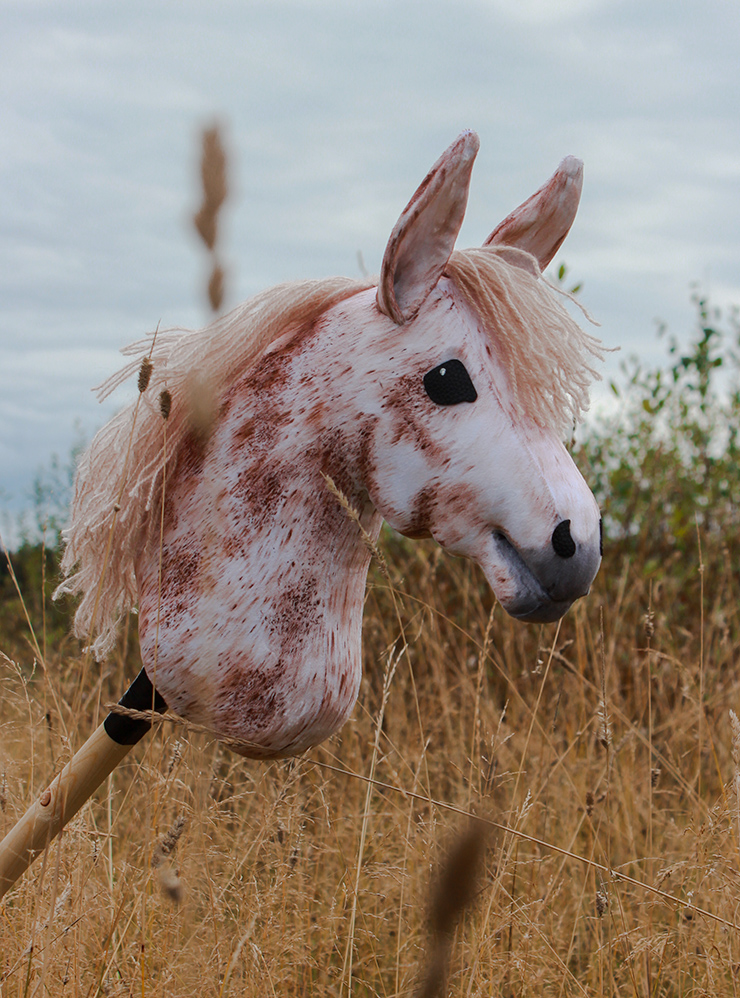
point(542, 584)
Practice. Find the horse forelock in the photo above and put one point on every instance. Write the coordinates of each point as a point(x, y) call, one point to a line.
point(547, 357)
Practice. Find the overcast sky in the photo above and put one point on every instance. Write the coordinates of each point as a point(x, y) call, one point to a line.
point(333, 112)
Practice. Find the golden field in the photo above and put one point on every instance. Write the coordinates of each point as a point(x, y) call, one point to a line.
point(512, 809)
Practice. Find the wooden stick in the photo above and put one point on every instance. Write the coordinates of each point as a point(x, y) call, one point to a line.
point(102, 752)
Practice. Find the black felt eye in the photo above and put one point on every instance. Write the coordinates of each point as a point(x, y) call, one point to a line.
point(450, 384)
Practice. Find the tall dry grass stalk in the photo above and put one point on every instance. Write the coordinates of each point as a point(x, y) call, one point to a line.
point(215, 189)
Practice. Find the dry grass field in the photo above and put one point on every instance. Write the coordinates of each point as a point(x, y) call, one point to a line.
point(512, 810)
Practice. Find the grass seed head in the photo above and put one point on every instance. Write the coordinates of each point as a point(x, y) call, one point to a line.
point(458, 878)
point(454, 892)
point(169, 840)
point(216, 288)
point(145, 373)
point(215, 187)
point(170, 883)
point(165, 404)
point(201, 411)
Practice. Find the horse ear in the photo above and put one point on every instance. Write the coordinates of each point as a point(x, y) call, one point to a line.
point(424, 236)
point(540, 225)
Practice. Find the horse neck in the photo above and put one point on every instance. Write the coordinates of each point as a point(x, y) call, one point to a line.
point(278, 440)
point(254, 515)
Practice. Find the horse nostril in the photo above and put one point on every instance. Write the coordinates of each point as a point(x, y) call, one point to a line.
point(563, 544)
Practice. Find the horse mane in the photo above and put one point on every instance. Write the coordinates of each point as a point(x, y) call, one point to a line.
point(119, 477)
point(546, 355)
point(183, 373)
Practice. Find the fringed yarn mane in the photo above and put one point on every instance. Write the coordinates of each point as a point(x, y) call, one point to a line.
point(545, 354)
point(119, 477)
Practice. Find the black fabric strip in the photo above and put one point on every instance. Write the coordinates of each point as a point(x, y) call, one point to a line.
point(140, 695)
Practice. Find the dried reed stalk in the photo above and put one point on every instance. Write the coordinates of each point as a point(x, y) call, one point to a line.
point(215, 190)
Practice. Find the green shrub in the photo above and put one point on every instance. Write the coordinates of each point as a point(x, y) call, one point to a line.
point(664, 466)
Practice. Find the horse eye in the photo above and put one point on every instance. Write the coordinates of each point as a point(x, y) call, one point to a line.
point(450, 384)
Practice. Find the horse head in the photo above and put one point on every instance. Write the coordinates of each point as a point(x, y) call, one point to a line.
point(455, 455)
point(435, 399)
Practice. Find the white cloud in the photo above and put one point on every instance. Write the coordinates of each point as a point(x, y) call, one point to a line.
point(547, 12)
